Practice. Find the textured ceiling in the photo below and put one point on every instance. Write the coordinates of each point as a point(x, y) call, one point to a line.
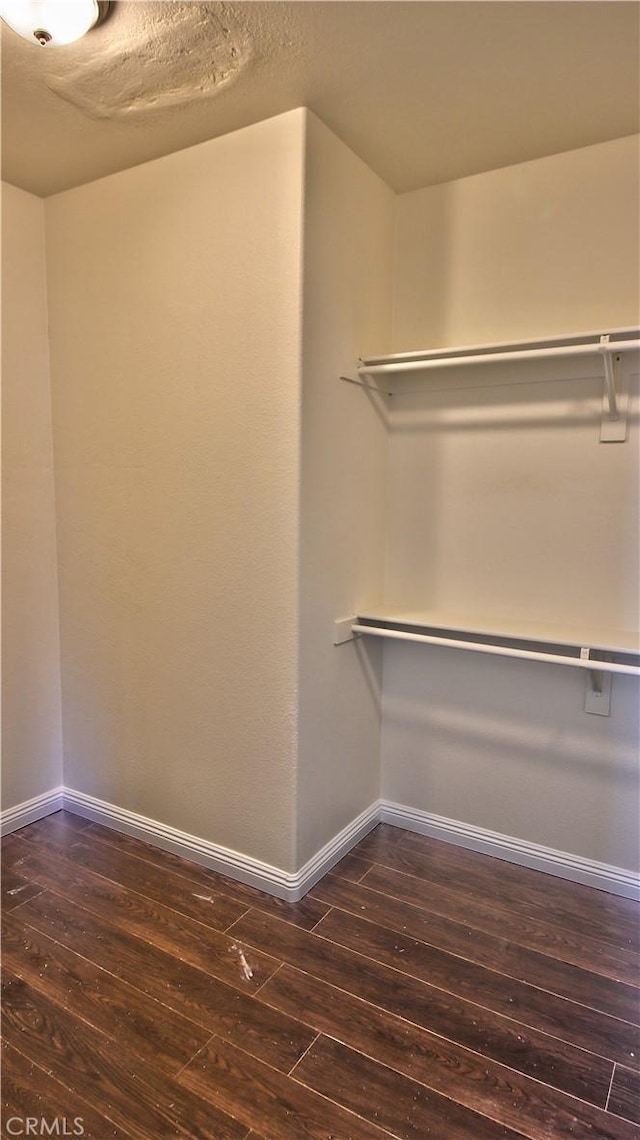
point(423, 91)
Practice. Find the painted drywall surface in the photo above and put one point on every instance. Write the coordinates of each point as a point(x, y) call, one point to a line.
point(549, 246)
point(347, 304)
point(502, 501)
point(175, 340)
point(505, 745)
point(32, 741)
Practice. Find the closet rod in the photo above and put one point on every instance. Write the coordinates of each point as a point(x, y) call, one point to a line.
point(419, 363)
point(498, 650)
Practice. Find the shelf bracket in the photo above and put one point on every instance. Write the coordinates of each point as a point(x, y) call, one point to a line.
point(367, 387)
point(598, 693)
point(615, 399)
point(343, 631)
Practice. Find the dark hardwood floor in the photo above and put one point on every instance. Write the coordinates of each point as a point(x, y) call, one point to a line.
point(419, 991)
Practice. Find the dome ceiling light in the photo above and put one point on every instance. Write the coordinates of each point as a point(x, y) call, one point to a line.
point(53, 23)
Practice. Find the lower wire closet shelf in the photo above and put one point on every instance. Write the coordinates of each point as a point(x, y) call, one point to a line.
point(607, 651)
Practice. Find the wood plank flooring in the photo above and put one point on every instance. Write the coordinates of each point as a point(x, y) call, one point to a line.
point(420, 991)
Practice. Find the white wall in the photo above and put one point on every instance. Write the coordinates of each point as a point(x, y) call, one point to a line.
point(174, 293)
point(32, 742)
point(506, 746)
point(348, 244)
point(502, 501)
point(220, 494)
point(549, 246)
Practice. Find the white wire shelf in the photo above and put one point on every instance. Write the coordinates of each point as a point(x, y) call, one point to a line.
point(579, 344)
point(614, 651)
point(376, 373)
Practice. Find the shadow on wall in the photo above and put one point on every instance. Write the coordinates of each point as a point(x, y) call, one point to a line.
point(423, 288)
point(511, 749)
point(515, 403)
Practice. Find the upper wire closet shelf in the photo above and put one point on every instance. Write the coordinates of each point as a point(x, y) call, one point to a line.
point(605, 344)
point(376, 373)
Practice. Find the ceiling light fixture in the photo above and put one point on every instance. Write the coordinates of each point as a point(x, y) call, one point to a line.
point(53, 23)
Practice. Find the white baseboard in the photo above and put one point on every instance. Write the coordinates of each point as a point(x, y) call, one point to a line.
point(336, 849)
point(12, 819)
point(288, 885)
point(615, 880)
point(292, 885)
